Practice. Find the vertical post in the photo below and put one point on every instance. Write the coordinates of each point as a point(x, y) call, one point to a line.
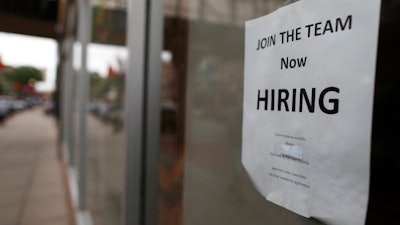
point(143, 88)
point(153, 108)
point(66, 103)
point(142, 110)
point(134, 111)
point(67, 82)
point(67, 100)
point(84, 35)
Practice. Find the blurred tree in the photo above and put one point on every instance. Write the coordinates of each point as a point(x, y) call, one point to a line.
point(20, 80)
point(25, 74)
point(5, 85)
point(101, 86)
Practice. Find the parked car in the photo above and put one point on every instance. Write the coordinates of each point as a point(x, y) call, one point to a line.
point(5, 109)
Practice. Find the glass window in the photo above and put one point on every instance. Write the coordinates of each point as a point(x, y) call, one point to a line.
point(201, 177)
point(107, 55)
point(202, 180)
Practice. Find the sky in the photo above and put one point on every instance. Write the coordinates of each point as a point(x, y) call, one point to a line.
point(22, 50)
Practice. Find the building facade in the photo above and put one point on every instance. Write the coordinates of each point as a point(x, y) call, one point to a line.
point(151, 108)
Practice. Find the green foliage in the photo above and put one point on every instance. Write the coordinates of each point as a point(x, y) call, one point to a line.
point(5, 84)
point(22, 75)
point(101, 86)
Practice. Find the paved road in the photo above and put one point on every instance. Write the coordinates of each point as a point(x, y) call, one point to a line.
point(32, 189)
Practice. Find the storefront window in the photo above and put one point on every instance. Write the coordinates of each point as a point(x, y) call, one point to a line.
point(106, 67)
point(202, 180)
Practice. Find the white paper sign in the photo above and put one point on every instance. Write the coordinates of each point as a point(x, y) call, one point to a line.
point(308, 98)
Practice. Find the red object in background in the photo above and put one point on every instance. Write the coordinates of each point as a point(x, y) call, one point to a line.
point(2, 66)
point(17, 86)
point(29, 90)
point(111, 72)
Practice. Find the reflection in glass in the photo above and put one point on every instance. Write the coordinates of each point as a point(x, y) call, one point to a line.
point(202, 180)
point(105, 125)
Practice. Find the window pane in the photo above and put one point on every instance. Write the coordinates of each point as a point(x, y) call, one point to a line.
point(107, 55)
point(202, 180)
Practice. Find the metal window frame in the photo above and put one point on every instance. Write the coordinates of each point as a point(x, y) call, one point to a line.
point(143, 110)
point(84, 36)
point(67, 84)
point(154, 73)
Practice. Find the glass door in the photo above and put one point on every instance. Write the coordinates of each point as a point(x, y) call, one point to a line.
point(201, 178)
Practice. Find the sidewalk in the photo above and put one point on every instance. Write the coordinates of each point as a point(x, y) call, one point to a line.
point(32, 188)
